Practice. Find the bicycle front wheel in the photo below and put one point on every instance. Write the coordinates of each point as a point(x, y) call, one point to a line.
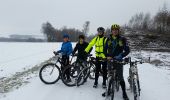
point(117, 84)
point(83, 75)
point(135, 90)
point(49, 73)
point(92, 71)
point(112, 89)
point(69, 75)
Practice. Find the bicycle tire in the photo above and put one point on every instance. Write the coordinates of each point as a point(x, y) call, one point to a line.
point(135, 90)
point(72, 70)
point(43, 68)
point(130, 80)
point(112, 89)
point(117, 84)
point(139, 89)
point(83, 75)
point(92, 71)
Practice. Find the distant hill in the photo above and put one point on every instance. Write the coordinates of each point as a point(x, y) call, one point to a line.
point(23, 38)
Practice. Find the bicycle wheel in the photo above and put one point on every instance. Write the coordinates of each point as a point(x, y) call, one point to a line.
point(130, 80)
point(139, 89)
point(83, 75)
point(138, 83)
point(49, 73)
point(92, 71)
point(117, 84)
point(135, 90)
point(112, 89)
point(69, 75)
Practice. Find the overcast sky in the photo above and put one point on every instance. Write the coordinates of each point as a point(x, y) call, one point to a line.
point(27, 16)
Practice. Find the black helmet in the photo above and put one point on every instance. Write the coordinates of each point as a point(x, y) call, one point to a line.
point(101, 29)
point(81, 37)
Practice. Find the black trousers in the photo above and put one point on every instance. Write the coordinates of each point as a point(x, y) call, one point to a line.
point(99, 65)
point(65, 62)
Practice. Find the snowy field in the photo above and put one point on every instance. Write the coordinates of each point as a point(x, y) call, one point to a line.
point(17, 57)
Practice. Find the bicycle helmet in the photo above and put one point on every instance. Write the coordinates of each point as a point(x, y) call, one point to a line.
point(115, 26)
point(101, 29)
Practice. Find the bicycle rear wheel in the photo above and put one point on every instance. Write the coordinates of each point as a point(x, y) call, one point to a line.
point(49, 73)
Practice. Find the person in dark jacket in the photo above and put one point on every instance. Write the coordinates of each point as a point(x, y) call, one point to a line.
point(80, 47)
point(66, 50)
point(117, 48)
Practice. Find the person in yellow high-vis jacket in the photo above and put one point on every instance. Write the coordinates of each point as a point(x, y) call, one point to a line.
point(99, 41)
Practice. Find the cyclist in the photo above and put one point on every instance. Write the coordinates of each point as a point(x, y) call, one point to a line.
point(117, 48)
point(80, 47)
point(99, 42)
point(66, 50)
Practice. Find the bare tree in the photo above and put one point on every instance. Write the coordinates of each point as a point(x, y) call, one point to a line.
point(86, 27)
point(49, 31)
point(136, 21)
point(55, 35)
point(146, 21)
point(161, 19)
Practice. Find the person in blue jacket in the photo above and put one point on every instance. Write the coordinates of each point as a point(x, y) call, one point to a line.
point(66, 50)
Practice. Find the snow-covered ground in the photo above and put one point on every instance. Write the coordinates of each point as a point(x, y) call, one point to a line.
point(159, 59)
point(16, 57)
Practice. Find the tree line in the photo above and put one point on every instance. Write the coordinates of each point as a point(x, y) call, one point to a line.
point(55, 35)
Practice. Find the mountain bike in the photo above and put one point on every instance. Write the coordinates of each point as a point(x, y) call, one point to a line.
point(133, 79)
point(75, 68)
point(112, 80)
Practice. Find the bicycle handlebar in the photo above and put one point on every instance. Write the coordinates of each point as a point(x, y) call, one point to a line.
point(126, 61)
point(88, 55)
point(135, 62)
point(56, 53)
point(120, 62)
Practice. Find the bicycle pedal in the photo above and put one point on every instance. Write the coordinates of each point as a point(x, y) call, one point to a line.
point(104, 94)
point(94, 86)
point(104, 87)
